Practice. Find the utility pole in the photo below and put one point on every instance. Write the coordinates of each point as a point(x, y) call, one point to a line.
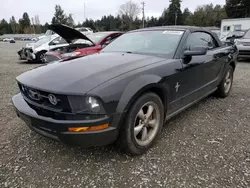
point(84, 12)
point(33, 26)
point(143, 14)
point(176, 16)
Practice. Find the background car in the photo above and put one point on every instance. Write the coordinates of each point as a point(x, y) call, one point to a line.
point(229, 39)
point(61, 40)
point(7, 39)
point(12, 41)
point(99, 41)
point(84, 30)
point(243, 45)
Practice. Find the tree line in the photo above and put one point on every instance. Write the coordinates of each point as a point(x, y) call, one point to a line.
point(128, 18)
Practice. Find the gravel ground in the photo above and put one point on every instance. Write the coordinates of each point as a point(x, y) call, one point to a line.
point(205, 146)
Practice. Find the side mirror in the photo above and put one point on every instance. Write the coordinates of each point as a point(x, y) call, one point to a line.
point(195, 51)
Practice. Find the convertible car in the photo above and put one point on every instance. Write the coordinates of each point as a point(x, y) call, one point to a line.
point(95, 42)
point(125, 93)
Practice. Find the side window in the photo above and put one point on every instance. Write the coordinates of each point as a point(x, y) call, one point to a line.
point(201, 39)
point(109, 39)
point(114, 36)
point(59, 40)
point(237, 27)
point(226, 28)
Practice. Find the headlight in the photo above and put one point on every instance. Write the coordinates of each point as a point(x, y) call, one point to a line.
point(86, 105)
point(73, 54)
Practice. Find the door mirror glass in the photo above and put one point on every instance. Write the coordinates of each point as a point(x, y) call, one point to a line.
point(196, 51)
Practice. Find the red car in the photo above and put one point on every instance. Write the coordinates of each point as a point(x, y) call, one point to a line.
point(79, 44)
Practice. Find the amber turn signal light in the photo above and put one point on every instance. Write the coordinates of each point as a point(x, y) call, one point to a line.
point(91, 128)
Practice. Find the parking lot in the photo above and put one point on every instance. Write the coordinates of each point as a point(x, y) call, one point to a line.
point(205, 146)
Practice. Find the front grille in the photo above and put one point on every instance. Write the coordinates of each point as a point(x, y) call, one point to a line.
point(244, 52)
point(41, 99)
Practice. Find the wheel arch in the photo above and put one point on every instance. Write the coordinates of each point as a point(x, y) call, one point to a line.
point(233, 64)
point(138, 87)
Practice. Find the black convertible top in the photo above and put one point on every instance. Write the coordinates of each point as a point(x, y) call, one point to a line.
point(182, 28)
point(174, 27)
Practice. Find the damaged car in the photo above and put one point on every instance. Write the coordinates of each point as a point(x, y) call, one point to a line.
point(62, 39)
point(81, 47)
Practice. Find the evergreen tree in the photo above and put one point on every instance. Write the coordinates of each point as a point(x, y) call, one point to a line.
point(13, 24)
point(59, 17)
point(238, 8)
point(174, 15)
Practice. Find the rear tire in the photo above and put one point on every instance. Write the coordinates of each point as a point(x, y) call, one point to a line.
point(225, 86)
point(142, 125)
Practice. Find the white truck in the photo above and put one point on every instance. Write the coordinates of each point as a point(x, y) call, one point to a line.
point(231, 25)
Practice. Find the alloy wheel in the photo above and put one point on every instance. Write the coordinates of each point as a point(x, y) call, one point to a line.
point(147, 123)
point(228, 82)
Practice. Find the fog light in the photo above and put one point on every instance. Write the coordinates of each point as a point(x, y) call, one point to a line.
point(91, 128)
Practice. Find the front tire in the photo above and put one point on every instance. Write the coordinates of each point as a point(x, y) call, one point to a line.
point(40, 56)
point(226, 84)
point(142, 125)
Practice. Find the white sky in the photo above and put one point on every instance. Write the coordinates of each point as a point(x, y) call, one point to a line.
point(95, 9)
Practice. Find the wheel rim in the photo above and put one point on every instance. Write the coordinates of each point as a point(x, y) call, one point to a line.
point(42, 56)
point(228, 82)
point(147, 123)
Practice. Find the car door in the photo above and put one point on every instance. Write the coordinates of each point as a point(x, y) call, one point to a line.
point(200, 73)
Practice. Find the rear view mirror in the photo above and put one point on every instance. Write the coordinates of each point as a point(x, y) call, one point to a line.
point(196, 51)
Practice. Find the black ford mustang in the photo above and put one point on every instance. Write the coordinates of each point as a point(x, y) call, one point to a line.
point(125, 93)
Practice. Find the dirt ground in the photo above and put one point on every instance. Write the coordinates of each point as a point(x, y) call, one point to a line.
point(205, 146)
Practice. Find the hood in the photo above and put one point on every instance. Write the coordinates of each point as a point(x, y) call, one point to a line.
point(68, 33)
point(80, 75)
point(30, 45)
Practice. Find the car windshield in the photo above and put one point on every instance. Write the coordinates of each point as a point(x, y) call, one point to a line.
point(43, 40)
point(96, 37)
point(247, 35)
point(149, 42)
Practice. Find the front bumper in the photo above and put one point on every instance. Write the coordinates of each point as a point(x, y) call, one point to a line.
point(22, 54)
point(58, 129)
point(30, 55)
point(244, 51)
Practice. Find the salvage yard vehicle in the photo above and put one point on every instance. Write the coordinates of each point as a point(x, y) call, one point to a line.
point(65, 40)
point(84, 30)
point(243, 45)
point(229, 39)
point(96, 42)
point(8, 39)
point(125, 93)
point(35, 51)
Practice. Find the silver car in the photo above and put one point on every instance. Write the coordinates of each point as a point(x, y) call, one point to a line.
point(243, 45)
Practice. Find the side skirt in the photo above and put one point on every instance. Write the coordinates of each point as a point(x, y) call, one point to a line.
point(169, 116)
